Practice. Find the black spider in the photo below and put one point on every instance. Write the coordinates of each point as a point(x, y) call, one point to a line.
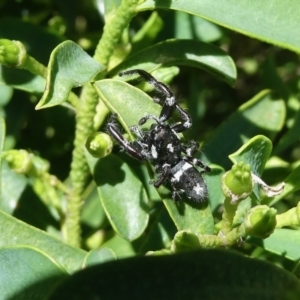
point(161, 145)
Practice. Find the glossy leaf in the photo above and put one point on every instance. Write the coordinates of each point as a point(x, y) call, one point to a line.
point(283, 242)
point(27, 273)
point(183, 52)
point(93, 214)
point(98, 256)
point(69, 66)
point(146, 35)
point(255, 152)
point(213, 181)
point(291, 185)
point(22, 80)
point(160, 231)
point(12, 187)
point(12, 184)
point(121, 247)
point(264, 114)
point(275, 23)
point(130, 103)
point(205, 274)
point(16, 232)
point(122, 196)
point(193, 27)
point(2, 137)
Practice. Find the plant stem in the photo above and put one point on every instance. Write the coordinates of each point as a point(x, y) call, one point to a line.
point(84, 119)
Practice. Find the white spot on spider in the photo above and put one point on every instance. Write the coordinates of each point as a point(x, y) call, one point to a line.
point(170, 101)
point(198, 189)
point(187, 124)
point(189, 152)
point(170, 147)
point(179, 173)
point(153, 151)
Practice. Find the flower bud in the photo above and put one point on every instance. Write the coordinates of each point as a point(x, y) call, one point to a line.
point(99, 144)
point(18, 160)
point(260, 221)
point(12, 53)
point(237, 183)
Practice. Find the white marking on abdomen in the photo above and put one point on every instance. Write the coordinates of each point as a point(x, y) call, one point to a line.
point(179, 173)
point(198, 189)
point(170, 147)
point(153, 151)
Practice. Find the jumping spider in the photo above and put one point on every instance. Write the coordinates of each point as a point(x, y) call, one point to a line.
point(161, 145)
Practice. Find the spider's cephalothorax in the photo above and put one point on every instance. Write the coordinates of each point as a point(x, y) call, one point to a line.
point(161, 145)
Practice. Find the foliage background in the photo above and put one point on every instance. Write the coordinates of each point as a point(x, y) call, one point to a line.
point(262, 40)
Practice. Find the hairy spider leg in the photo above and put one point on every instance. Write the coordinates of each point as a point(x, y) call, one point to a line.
point(169, 105)
point(137, 131)
point(166, 169)
point(191, 149)
point(197, 162)
point(129, 147)
point(144, 119)
point(187, 120)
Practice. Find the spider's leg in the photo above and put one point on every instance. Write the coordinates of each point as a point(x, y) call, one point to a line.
point(166, 169)
point(169, 104)
point(175, 193)
point(186, 120)
point(137, 131)
point(197, 162)
point(144, 119)
point(133, 149)
point(191, 149)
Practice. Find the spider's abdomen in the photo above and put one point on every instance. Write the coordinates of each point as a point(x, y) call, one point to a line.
point(185, 178)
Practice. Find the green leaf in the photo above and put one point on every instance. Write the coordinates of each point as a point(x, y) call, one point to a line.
point(11, 184)
point(2, 136)
point(193, 27)
point(69, 66)
point(255, 152)
point(121, 247)
point(264, 114)
point(206, 274)
point(16, 232)
point(22, 80)
point(291, 185)
point(12, 188)
point(291, 136)
point(283, 242)
point(160, 231)
point(122, 195)
point(147, 34)
point(182, 52)
point(130, 103)
point(27, 273)
point(97, 256)
point(275, 23)
point(93, 214)
point(213, 181)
